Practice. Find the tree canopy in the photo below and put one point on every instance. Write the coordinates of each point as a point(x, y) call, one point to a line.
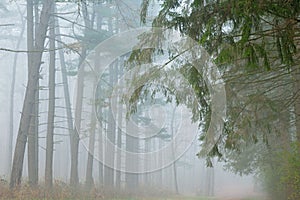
point(263, 33)
point(255, 44)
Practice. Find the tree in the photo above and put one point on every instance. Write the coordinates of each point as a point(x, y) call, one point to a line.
point(51, 106)
point(74, 179)
point(255, 44)
point(173, 131)
point(12, 93)
point(109, 171)
point(92, 129)
point(63, 66)
point(34, 63)
point(33, 129)
point(257, 35)
point(132, 145)
point(120, 111)
point(74, 138)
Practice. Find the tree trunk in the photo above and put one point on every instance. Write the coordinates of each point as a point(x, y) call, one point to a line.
point(119, 128)
point(33, 129)
point(33, 143)
point(89, 169)
point(173, 151)
point(74, 179)
point(89, 21)
point(132, 144)
point(74, 139)
point(175, 177)
point(65, 81)
point(147, 163)
point(51, 107)
point(100, 112)
point(210, 181)
point(111, 136)
point(12, 93)
point(34, 62)
point(160, 160)
point(100, 148)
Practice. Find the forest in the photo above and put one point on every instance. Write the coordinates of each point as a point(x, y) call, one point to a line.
point(150, 99)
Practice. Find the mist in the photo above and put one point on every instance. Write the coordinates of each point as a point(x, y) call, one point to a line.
point(95, 102)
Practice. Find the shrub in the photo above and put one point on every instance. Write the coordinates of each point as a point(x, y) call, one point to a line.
point(282, 176)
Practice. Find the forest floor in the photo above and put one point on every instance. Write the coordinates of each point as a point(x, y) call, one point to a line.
point(63, 192)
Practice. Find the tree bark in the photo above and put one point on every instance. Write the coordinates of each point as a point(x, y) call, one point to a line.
point(33, 143)
point(33, 129)
point(31, 135)
point(51, 108)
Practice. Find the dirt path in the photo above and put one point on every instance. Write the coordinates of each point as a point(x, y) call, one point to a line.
point(239, 193)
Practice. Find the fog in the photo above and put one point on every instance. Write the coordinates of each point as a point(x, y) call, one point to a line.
point(137, 145)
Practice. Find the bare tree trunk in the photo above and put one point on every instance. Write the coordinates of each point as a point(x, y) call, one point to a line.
point(33, 129)
point(147, 163)
point(33, 143)
point(173, 151)
point(210, 181)
point(160, 160)
point(65, 83)
point(12, 93)
point(65, 80)
point(32, 158)
point(119, 128)
point(100, 148)
point(132, 144)
point(34, 62)
point(51, 108)
point(100, 113)
point(89, 169)
point(111, 135)
point(74, 179)
point(89, 21)
point(212, 191)
point(74, 139)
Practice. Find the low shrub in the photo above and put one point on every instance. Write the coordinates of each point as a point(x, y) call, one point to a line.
point(282, 176)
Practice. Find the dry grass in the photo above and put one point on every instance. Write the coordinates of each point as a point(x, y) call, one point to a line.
point(61, 191)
